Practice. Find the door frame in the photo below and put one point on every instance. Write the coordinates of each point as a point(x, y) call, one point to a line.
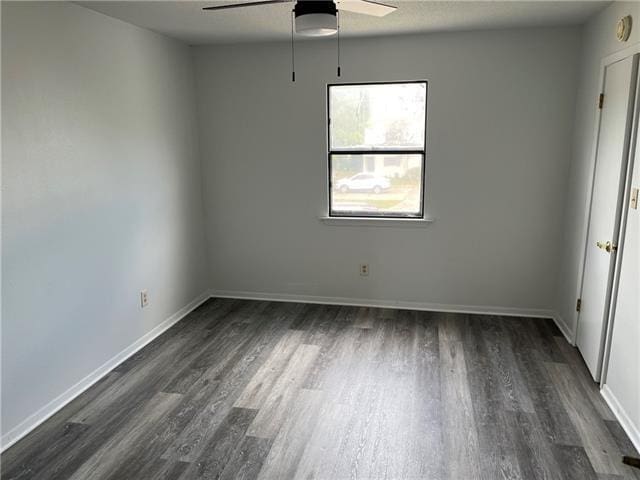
point(612, 290)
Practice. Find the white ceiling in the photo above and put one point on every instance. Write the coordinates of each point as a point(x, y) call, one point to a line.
point(185, 20)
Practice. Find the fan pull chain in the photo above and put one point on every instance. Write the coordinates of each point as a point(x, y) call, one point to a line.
point(293, 50)
point(338, 31)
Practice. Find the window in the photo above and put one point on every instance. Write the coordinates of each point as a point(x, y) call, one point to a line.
point(377, 143)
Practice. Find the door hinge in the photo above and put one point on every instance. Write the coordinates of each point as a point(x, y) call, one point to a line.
point(601, 101)
point(578, 305)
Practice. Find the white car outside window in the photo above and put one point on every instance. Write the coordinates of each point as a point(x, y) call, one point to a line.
point(364, 182)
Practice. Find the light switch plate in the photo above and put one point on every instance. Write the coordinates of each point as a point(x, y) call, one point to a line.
point(635, 192)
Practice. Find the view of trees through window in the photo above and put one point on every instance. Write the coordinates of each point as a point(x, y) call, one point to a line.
point(377, 149)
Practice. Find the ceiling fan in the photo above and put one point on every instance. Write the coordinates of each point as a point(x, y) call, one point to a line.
point(315, 18)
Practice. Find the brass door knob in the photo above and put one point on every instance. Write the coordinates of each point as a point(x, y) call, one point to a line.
point(608, 246)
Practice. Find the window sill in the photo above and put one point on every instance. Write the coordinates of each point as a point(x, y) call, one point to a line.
point(377, 222)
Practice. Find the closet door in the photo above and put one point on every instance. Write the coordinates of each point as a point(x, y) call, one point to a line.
point(606, 201)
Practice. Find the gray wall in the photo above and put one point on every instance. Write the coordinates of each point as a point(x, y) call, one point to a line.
point(599, 40)
point(100, 191)
point(501, 111)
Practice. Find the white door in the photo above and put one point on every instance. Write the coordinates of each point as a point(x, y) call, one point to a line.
point(610, 175)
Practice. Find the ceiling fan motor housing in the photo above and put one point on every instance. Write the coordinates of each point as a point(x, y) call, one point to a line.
point(316, 18)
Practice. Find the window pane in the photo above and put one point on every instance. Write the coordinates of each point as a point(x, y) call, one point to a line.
point(365, 117)
point(391, 186)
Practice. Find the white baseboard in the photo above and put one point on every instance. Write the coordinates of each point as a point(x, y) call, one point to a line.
point(566, 331)
point(399, 304)
point(633, 431)
point(31, 422)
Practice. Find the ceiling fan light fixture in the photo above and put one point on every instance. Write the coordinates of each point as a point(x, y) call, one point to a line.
point(316, 18)
point(316, 25)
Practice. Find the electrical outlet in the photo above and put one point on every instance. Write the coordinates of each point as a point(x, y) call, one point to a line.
point(364, 269)
point(144, 299)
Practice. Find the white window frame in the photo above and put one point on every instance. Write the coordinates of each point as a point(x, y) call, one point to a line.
point(337, 218)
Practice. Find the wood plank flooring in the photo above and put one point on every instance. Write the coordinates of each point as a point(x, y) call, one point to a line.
point(268, 390)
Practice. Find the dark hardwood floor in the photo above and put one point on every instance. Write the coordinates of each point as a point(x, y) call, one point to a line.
point(244, 389)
